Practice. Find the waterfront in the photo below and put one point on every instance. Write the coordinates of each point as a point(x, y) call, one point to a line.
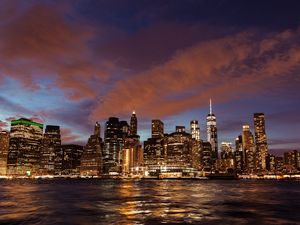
point(94, 201)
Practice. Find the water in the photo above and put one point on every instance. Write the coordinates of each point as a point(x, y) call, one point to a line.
point(149, 202)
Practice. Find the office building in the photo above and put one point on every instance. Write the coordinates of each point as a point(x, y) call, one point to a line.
point(195, 130)
point(271, 163)
point(50, 148)
point(249, 149)
point(71, 159)
point(113, 145)
point(157, 129)
point(239, 155)
point(4, 147)
point(91, 160)
point(260, 141)
point(132, 156)
point(178, 149)
point(24, 147)
point(292, 158)
point(206, 157)
point(226, 160)
point(133, 124)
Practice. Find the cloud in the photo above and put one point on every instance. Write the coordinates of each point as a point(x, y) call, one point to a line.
point(154, 44)
point(40, 42)
point(225, 68)
point(283, 141)
point(3, 125)
point(230, 126)
point(68, 136)
point(8, 105)
point(288, 116)
point(278, 146)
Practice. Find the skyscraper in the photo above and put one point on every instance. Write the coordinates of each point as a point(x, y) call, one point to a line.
point(125, 128)
point(212, 135)
point(4, 146)
point(249, 149)
point(260, 140)
point(50, 147)
point(153, 154)
point(132, 155)
point(133, 124)
point(292, 158)
point(153, 148)
point(113, 141)
point(24, 147)
point(178, 149)
point(91, 159)
point(226, 150)
point(180, 129)
point(157, 129)
point(239, 154)
point(195, 130)
point(226, 160)
point(71, 159)
point(206, 159)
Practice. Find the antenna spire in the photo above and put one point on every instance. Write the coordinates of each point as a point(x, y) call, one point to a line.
point(210, 107)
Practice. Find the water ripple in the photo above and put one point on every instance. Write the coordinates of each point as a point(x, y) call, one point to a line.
point(148, 202)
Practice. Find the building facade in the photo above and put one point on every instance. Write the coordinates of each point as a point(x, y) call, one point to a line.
point(133, 124)
point(4, 147)
point(239, 155)
point(206, 157)
point(24, 147)
point(71, 159)
point(50, 147)
point(157, 129)
point(226, 160)
point(260, 141)
point(249, 150)
point(91, 163)
point(178, 149)
point(195, 130)
point(132, 156)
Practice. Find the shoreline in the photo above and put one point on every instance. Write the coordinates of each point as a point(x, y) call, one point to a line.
point(286, 178)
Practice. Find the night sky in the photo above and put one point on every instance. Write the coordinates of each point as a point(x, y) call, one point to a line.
point(71, 63)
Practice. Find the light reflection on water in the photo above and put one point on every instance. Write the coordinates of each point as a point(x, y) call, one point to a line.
point(149, 202)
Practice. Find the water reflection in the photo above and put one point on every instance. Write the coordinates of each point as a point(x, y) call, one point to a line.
point(148, 202)
point(18, 202)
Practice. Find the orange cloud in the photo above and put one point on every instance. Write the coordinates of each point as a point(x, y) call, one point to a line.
point(223, 68)
point(67, 136)
point(40, 43)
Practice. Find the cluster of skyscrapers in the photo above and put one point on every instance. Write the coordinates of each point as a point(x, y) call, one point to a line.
point(28, 151)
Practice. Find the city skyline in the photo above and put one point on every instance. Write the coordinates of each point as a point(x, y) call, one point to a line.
point(32, 151)
point(75, 63)
point(188, 127)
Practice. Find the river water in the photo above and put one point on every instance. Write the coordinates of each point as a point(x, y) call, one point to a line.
point(91, 201)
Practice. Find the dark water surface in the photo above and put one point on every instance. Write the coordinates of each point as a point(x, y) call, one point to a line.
point(149, 202)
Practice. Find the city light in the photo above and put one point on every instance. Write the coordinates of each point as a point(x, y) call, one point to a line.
point(28, 152)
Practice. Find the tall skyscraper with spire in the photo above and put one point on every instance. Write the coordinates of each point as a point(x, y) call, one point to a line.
point(212, 135)
point(133, 124)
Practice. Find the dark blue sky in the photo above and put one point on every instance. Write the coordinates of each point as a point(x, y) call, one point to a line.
point(71, 63)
